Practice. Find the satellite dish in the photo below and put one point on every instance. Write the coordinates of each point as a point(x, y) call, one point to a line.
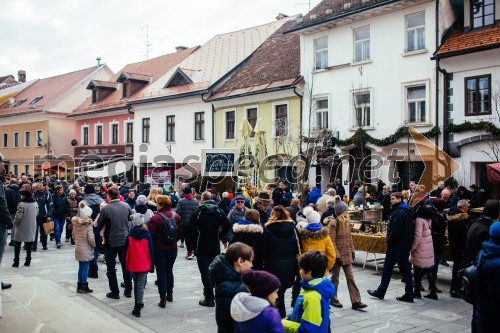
point(74, 142)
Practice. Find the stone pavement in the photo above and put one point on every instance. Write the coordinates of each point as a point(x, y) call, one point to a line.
point(43, 299)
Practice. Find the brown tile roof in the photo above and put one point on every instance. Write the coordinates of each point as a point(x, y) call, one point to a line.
point(472, 41)
point(7, 79)
point(51, 89)
point(329, 10)
point(103, 84)
point(152, 68)
point(275, 64)
point(136, 76)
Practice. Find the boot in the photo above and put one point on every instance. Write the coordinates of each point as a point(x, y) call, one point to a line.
point(28, 261)
point(416, 286)
point(432, 288)
point(16, 262)
point(86, 289)
point(79, 288)
point(163, 302)
point(170, 298)
point(137, 310)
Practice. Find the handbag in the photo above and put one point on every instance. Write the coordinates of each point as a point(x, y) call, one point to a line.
point(48, 227)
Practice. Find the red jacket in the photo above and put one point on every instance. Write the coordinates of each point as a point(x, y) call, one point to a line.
point(155, 227)
point(139, 253)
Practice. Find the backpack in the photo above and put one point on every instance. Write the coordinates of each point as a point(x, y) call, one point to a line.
point(471, 282)
point(174, 199)
point(169, 232)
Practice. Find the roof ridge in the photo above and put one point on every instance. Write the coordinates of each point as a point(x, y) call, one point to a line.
point(73, 72)
point(255, 26)
point(160, 56)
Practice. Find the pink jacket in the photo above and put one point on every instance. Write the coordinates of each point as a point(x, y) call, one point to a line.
point(422, 251)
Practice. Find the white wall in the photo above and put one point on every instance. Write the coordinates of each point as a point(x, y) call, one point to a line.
point(184, 145)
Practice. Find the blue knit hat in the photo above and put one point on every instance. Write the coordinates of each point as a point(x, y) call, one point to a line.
point(495, 231)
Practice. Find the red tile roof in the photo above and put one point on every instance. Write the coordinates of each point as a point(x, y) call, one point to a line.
point(103, 84)
point(153, 69)
point(329, 10)
point(51, 89)
point(7, 79)
point(475, 40)
point(275, 64)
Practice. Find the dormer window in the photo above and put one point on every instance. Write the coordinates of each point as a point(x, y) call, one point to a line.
point(179, 78)
point(482, 13)
point(20, 102)
point(125, 87)
point(94, 96)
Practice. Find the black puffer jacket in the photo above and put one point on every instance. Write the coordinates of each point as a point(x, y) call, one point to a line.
point(227, 284)
point(61, 205)
point(280, 251)
point(252, 235)
point(438, 231)
point(401, 229)
point(478, 233)
point(208, 224)
point(458, 222)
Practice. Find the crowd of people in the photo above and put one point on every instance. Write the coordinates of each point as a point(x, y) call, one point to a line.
point(271, 241)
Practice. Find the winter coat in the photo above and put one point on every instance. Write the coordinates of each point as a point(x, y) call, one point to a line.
point(478, 233)
point(224, 205)
point(227, 283)
point(13, 197)
point(286, 199)
point(342, 241)
point(293, 210)
point(115, 217)
point(248, 195)
point(438, 231)
point(280, 251)
point(44, 201)
point(488, 301)
point(208, 225)
point(139, 252)
point(235, 215)
point(5, 218)
point(422, 250)
point(458, 222)
point(311, 312)
point(25, 221)
point(314, 195)
point(61, 206)
point(253, 314)
point(185, 207)
point(329, 212)
point(316, 237)
point(147, 213)
point(263, 216)
point(478, 199)
point(252, 235)
point(401, 229)
point(155, 226)
point(84, 238)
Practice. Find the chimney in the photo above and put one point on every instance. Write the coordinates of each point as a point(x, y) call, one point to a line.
point(21, 75)
point(98, 61)
point(180, 48)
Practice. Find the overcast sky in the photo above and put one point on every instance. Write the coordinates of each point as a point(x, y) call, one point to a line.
point(53, 37)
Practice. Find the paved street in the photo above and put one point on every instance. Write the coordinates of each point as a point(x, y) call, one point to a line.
point(43, 299)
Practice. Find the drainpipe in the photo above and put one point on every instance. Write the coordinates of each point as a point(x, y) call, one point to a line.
point(445, 118)
point(300, 122)
point(436, 139)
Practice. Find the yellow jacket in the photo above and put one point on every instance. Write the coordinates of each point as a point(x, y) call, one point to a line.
point(319, 240)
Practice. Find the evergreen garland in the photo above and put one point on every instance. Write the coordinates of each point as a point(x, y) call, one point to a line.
point(467, 126)
point(401, 132)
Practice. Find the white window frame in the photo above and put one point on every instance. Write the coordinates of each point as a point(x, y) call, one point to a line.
point(16, 170)
point(248, 107)
point(27, 143)
point(39, 137)
point(125, 130)
point(82, 142)
point(224, 130)
point(354, 122)
point(114, 122)
point(362, 42)
point(274, 117)
point(5, 140)
point(202, 128)
point(316, 111)
point(95, 134)
point(27, 169)
point(14, 135)
point(407, 30)
point(166, 128)
point(321, 53)
point(406, 116)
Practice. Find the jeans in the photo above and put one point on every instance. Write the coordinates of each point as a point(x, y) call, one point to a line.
point(458, 265)
point(111, 253)
point(394, 256)
point(93, 264)
point(83, 271)
point(139, 283)
point(164, 262)
point(187, 238)
point(58, 227)
point(43, 236)
point(3, 240)
point(204, 261)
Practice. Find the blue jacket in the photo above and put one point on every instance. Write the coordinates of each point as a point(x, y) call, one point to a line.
point(314, 195)
point(488, 301)
point(254, 315)
point(311, 312)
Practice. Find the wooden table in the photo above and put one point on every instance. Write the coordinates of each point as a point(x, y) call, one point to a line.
point(369, 244)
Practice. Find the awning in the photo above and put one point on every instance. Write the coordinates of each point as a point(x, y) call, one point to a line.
point(189, 171)
point(493, 172)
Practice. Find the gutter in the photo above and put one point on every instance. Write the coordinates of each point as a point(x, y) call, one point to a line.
point(360, 10)
point(166, 98)
point(253, 93)
point(97, 111)
point(463, 52)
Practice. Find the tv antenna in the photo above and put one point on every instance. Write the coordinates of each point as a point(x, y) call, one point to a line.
point(148, 39)
point(305, 3)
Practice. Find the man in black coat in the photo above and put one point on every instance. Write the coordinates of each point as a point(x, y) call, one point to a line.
point(479, 232)
point(13, 198)
point(5, 219)
point(400, 234)
point(208, 224)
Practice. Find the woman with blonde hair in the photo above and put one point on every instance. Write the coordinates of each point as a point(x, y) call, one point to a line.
point(151, 200)
point(340, 233)
point(281, 247)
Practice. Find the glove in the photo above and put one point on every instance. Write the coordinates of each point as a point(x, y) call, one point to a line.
point(353, 255)
point(9, 224)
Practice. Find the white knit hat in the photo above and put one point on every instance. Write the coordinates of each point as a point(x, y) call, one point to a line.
point(84, 210)
point(312, 216)
point(137, 219)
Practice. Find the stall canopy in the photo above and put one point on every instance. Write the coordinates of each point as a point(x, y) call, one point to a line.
point(493, 172)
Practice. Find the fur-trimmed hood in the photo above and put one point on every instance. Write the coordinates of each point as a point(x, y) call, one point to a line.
point(278, 221)
point(305, 233)
point(82, 221)
point(457, 217)
point(248, 228)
